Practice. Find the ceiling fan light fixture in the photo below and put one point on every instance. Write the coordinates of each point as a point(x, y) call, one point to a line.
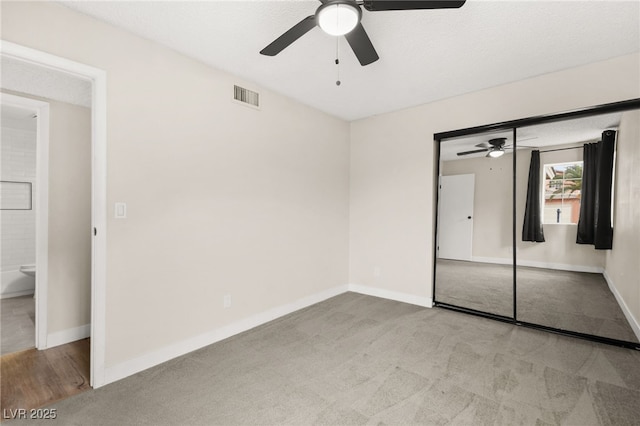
point(496, 152)
point(339, 17)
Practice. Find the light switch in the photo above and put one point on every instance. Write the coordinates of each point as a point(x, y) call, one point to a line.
point(121, 210)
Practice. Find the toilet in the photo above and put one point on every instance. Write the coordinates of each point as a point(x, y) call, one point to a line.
point(29, 270)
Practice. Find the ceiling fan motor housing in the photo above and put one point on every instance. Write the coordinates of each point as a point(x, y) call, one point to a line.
point(338, 17)
point(497, 142)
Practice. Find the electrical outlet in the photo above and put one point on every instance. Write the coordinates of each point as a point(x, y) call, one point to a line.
point(226, 301)
point(377, 272)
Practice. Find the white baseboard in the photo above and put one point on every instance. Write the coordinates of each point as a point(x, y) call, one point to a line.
point(392, 295)
point(545, 265)
point(135, 365)
point(151, 359)
point(67, 336)
point(633, 322)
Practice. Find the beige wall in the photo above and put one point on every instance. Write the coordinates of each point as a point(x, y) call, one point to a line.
point(222, 199)
point(269, 206)
point(622, 265)
point(492, 211)
point(69, 278)
point(69, 217)
point(392, 164)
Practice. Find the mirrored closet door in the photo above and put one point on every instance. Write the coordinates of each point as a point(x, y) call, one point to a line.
point(567, 263)
point(536, 226)
point(474, 264)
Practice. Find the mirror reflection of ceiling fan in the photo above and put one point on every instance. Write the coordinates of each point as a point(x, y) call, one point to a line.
point(494, 147)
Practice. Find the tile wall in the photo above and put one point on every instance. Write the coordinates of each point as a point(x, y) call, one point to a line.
point(17, 164)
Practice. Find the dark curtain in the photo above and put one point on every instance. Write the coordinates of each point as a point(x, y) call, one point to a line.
point(594, 225)
point(532, 228)
point(586, 222)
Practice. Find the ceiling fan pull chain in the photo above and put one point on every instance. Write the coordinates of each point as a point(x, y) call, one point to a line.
point(337, 62)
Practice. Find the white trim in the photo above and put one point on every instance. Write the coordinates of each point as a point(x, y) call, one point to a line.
point(545, 265)
point(633, 322)
point(135, 365)
point(426, 302)
point(69, 335)
point(42, 227)
point(99, 222)
point(42, 208)
point(98, 78)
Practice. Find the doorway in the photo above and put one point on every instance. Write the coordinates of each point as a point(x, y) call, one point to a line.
point(25, 140)
point(97, 79)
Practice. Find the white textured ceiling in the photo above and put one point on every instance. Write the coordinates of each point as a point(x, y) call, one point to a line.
point(24, 77)
point(424, 55)
point(559, 133)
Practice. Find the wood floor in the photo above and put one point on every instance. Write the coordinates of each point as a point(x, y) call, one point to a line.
point(33, 378)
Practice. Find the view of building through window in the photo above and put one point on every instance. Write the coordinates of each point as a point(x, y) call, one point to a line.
point(562, 192)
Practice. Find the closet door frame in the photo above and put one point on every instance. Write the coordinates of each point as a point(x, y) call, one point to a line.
point(513, 126)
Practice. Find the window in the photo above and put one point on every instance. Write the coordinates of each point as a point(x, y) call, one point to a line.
point(562, 192)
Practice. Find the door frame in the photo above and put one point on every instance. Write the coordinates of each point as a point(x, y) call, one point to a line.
point(98, 79)
point(41, 109)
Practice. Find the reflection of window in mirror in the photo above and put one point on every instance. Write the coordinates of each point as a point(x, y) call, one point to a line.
point(562, 192)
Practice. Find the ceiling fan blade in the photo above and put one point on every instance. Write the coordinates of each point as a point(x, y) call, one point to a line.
point(472, 152)
point(376, 5)
point(294, 33)
point(483, 145)
point(361, 45)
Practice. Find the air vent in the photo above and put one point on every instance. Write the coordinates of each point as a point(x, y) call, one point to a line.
point(246, 96)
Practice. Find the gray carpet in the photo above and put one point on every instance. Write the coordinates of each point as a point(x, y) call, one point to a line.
point(17, 324)
point(356, 359)
point(481, 286)
point(575, 301)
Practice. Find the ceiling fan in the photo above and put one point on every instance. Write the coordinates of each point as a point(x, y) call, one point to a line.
point(494, 148)
point(342, 17)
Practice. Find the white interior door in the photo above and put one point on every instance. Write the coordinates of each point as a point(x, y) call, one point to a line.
point(455, 220)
